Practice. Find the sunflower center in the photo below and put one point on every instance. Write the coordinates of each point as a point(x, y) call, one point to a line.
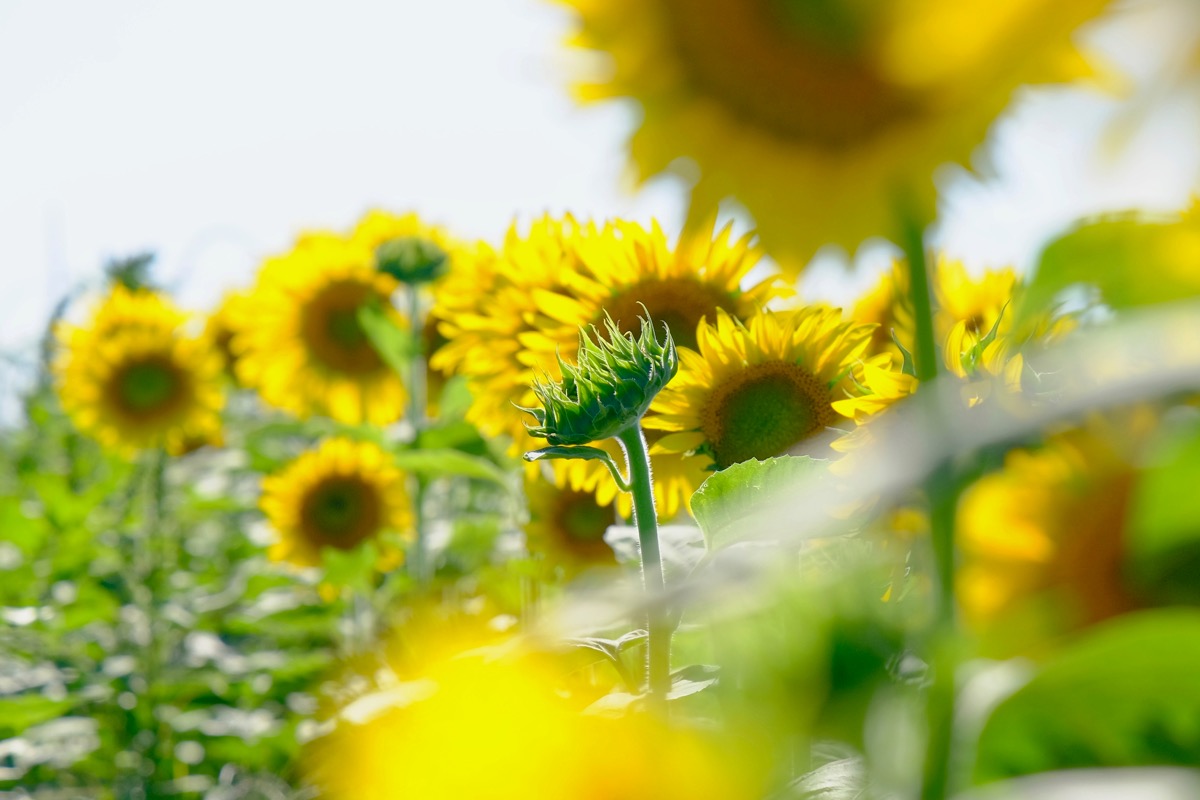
point(764, 411)
point(679, 302)
point(149, 388)
point(332, 332)
point(341, 512)
point(582, 522)
point(794, 67)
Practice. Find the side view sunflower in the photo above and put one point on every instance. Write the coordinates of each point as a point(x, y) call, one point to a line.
point(817, 112)
point(772, 386)
point(338, 495)
point(133, 380)
point(299, 341)
point(405, 246)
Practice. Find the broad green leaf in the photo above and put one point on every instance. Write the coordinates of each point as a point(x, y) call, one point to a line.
point(727, 502)
point(396, 346)
point(1164, 528)
point(1125, 695)
point(23, 711)
point(440, 463)
point(1132, 259)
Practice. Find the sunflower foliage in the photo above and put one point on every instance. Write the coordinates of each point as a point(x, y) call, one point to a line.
point(614, 378)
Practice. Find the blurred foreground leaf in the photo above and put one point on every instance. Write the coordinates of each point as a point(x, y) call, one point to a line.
point(726, 503)
point(1133, 260)
point(1125, 696)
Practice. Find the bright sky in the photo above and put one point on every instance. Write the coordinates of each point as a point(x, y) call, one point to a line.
point(211, 132)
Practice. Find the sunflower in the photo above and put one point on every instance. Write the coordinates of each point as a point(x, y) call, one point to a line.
point(772, 386)
point(813, 114)
point(567, 526)
point(339, 495)
point(1043, 540)
point(530, 303)
point(299, 341)
point(133, 380)
point(434, 244)
point(221, 327)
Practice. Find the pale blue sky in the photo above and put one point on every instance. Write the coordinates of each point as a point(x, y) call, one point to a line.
point(213, 131)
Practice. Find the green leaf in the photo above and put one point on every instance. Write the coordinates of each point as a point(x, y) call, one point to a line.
point(1164, 528)
point(581, 452)
point(1126, 695)
point(26, 710)
point(440, 463)
point(727, 502)
point(1132, 259)
point(396, 346)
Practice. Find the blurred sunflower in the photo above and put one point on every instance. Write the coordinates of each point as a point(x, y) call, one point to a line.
point(221, 328)
point(490, 724)
point(300, 343)
point(814, 114)
point(567, 526)
point(132, 379)
point(339, 495)
point(1043, 539)
point(771, 387)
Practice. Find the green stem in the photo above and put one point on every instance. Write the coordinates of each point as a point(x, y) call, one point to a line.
point(154, 550)
point(658, 651)
point(942, 491)
point(416, 418)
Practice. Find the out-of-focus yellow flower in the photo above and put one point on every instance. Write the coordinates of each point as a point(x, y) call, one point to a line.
point(1043, 540)
point(765, 389)
point(299, 341)
point(567, 526)
point(405, 246)
point(506, 327)
point(133, 380)
point(221, 329)
point(812, 114)
point(338, 495)
point(490, 726)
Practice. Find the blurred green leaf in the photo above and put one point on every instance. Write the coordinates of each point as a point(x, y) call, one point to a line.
point(1132, 259)
point(1125, 695)
point(1164, 526)
point(441, 463)
point(727, 502)
point(23, 711)
point(396, 346)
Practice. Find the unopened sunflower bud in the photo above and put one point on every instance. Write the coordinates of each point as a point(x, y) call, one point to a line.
point(411, 259)
point(609, 388)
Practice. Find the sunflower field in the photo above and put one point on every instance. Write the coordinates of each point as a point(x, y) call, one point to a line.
point(608, 509)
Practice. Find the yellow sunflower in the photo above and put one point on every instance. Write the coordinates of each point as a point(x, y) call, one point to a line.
point(339, 495)
point(563, 274)
point(772, 386)
point(221, 327)
point(567, 526)
point(815, 114)
point(299, 341)
point(133, 380)
point(1043, 540)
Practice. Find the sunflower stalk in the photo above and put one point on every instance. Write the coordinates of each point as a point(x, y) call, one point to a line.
point(641, 483)
point(941, 489)
point(416, 417)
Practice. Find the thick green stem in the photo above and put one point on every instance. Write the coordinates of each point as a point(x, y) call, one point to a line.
point(942, 491)
point(658, 651)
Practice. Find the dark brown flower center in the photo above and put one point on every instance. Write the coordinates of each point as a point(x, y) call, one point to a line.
point(332, 332)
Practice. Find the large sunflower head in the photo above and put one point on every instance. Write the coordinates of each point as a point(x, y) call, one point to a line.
point(769, 387)
point(339, 495)
point(815, 114)
point(132, 379)
point(1044, 540)
point(299, 341)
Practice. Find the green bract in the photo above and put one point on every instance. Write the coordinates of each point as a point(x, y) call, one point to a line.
point(412, 260)
point(609, 387)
